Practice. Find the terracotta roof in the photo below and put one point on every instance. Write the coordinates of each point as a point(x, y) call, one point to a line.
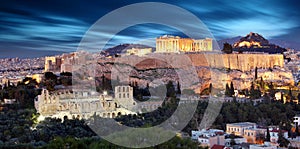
point(219, 147)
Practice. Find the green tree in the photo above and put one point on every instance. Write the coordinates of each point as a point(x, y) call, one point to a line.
point(227, 48)
point(227, 91)
point(170, 89)
point(255, 73)
point(232, 141)
point(210, 88)
point(268, 137)
point(231, 89)
point(283, 142)
point(178, 88)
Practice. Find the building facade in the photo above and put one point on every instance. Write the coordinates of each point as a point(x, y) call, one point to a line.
point(296, 120)
point(239, 128)
point(84, 104)
point(53, 63)
point(176, 44)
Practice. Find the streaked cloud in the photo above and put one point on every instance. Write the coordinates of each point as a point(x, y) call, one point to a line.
point(60, 25)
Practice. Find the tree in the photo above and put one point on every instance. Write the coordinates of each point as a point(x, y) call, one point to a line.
point(291, 94)
point(210, 88)
point(232, 141)
point(240, 51)
point(281, 97)
point(297, 131)
point(254, 93)
point(255, 73)
point(268, 137)
point(170, 89)
point(227, 48)
point(231, 89)
point(283, 142)
point(227, 91)
point(178, 88)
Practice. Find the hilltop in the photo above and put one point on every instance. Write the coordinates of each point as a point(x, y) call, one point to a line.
point(255, 37)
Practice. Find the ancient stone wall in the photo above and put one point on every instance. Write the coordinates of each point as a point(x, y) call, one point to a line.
point(243, 62)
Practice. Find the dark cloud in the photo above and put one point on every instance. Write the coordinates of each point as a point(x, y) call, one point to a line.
point(60, 25)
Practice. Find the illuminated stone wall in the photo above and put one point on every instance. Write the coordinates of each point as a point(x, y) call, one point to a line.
point(243, 62)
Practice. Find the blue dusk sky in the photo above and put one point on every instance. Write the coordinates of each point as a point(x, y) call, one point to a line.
point(55, 25)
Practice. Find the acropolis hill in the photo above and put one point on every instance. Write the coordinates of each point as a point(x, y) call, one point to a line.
point(142, 65)
point(243, 62)
point(241, 66)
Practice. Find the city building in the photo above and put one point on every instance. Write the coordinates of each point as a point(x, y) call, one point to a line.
point(296, 120)
point(252, 135)
point(239, 128)
point(176, 44)
point(274, 134)
point(209, 137)
point(84, 104)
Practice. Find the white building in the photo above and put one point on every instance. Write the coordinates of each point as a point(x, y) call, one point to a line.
point(296, 120)
point(209, 137)
point(238, 128)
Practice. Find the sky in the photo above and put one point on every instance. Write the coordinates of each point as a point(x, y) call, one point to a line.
point(58, 26)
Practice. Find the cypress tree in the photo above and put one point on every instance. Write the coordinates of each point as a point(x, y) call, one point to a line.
point(231, 89)
point(255, 75)
point(268, 137)
point(178, 88)
point(227, 90)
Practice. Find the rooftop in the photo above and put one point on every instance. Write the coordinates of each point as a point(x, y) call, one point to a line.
point(242, 124)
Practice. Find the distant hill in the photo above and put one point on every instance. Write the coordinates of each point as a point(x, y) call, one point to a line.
point(119, 49)
point(281, 43)
point(252, 42)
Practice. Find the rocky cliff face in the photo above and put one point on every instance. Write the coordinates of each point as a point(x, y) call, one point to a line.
point(217, 69)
